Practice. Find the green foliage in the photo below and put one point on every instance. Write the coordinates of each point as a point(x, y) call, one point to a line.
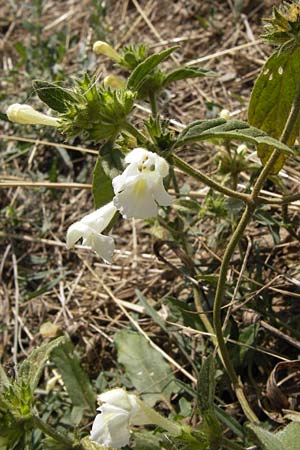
point(75, 379)
point(109, 164)
point(284, 26)
point(31, 369)
point(146, 368)
point(272, 99)
point(102, 186)
point(183, 73)
point(54, 96)
point(286, 439)
point(99, 113)
point(137, 77)
point(231, 129)
point(132, 55)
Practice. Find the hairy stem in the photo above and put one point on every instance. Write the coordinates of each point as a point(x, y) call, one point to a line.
point(234, 241)
point(198, 175)
point(58, 437)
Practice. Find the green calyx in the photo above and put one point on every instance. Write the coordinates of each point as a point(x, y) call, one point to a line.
point(132, 55)
point(284, 26)
point(99, 113)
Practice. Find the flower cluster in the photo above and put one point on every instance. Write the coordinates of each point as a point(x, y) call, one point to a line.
point(139, 190)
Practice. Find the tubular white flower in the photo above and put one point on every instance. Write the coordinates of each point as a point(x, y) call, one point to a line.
point(113, 82)
point(101, 47)
point(118, 411)
point(27, 115)
point(140, 189)
point(90, 227)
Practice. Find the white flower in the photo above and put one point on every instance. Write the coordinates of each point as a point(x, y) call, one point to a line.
point(27, 115)
point(140, 189)
point(118, 411)
point(101, 47)
point(90, 227)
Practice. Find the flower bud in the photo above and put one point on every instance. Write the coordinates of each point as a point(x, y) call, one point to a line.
point(103, 48)
point(113, 82)
point(27, 115)
point(225, 114)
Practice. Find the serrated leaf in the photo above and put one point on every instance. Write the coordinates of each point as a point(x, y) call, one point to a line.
point(272, 98)
point(227, 129)
point(101, 185)
point(145, 67)
point(146, 368)
point(31, 369)
point(56, 97)
point(206, 385)
point(75, 379)
point(187, 72)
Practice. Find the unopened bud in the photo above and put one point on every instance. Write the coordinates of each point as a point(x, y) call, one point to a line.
point(113, 82)
point(103, 48)
point(27, 115)
point(225, 114)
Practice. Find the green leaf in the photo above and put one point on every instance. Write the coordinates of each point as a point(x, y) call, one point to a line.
point(144, 68)
point(75, 379)
point(31, 369)
point(206, 385)
point(54, 96)
point(290, 436)
point(151, 311)
point(268, 440)
point(227, 129)
point(272, 98)
point(187, 72)
point(112, 159)
point(102, 185)
point(146, 368)
point(146, 440)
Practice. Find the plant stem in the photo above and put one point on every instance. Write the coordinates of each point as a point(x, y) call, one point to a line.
point(198, 175)
point(234, 241)
point(49, 431)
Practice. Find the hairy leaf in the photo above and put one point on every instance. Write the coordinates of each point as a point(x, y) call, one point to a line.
point(87, 444)
point(31, 369)
point(75, 379)
point(145, 67)
point(146, 368)
point(266, 439)
point(230, 129)
point(188, 72)
point(272, 99)
point(102, 186)
point(54, 96)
